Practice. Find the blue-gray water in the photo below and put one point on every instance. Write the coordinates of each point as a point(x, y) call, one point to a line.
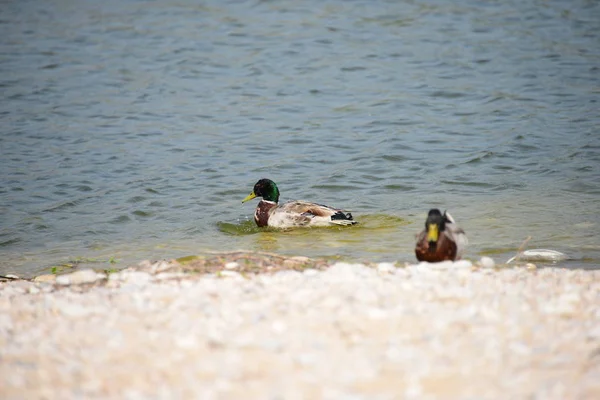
point(133, 129)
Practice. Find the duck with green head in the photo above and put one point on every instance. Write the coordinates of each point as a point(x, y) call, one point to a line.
point(296, 213)
point(441, 239)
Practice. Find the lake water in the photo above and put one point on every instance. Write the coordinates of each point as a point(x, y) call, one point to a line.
point(133, 129)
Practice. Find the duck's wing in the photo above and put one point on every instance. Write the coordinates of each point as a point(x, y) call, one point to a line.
point(314, 214)
point(456, 234)
point(459, 237)
point(282, 218)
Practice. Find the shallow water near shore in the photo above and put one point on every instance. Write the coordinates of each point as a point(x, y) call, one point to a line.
point(133, 131)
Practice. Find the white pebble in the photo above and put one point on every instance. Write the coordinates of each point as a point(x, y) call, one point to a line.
point(386, 268)
point(169, 275)
point(45, 278)
point(232, 265)
point(594, 333)
point(438, 265)
point(160, 266)
point(279, 326)
point(79, 277)
point(136, 277)
point(230, 274)
point(487, 262)
point(462, 264)
point(145, 264)
point(311, 272)
point(377, 313)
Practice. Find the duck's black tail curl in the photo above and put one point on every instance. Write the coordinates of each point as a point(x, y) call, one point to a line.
point(343, 218)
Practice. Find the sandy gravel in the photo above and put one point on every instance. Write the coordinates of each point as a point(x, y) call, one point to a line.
point(345, 332)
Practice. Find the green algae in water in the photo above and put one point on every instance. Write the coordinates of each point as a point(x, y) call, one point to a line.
point(186, 259)
point(78, 262)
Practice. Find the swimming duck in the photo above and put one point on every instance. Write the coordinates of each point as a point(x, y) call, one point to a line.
point(293, 213)
point(441, 239)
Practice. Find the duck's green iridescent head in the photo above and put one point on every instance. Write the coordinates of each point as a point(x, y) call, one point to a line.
point(265, 188)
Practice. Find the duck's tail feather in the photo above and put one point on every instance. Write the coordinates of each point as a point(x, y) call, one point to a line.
point(340, 218)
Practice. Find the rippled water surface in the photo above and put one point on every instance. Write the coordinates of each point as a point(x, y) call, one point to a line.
point(133, 129)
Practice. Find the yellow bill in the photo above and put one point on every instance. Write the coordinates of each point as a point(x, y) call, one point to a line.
point(249, 197)
point(432, 233)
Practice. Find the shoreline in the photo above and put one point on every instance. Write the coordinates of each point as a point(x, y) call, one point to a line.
point(260, 325)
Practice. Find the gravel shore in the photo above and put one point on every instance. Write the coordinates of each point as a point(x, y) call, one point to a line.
point(347, 331)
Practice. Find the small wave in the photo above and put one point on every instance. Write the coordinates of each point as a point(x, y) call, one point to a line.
point(447, 94)
point(10, 241)
point(141, 213)
point(242, 228)
point(62, 205)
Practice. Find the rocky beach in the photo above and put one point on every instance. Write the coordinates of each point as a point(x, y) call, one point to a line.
point(261, 326)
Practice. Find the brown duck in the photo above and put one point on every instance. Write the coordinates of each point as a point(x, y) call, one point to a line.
point(441, 239)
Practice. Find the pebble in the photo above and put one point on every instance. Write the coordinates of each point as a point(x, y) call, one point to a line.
point(145, 264)
point(386, 268)
point(134, 277)
point(160, 266)
point(232, 265)
point(45, 278)
point(377, 313)
point(594, 333)
point(79, 277)
point(230, 274)
point(168, 276)
point(311, 272)
point(466, 264)
point(295, 262)
point(74, 310)
point(279, 327)
point(448, 264)
point(487, 262)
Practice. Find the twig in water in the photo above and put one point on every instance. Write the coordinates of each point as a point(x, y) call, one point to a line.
point(520, 250)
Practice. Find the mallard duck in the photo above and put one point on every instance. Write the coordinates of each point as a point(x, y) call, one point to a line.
point(441, 239)
point(293, 213)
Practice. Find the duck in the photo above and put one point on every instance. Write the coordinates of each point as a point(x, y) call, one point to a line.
point(297, 213)
point(441, 240)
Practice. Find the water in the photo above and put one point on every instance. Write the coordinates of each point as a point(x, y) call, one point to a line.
point(133, 129)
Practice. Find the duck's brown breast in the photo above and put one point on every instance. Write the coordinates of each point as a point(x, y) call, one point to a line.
point(261, 215)
point(445, 250)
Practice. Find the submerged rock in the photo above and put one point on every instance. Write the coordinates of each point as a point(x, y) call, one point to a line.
point(539, 255)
